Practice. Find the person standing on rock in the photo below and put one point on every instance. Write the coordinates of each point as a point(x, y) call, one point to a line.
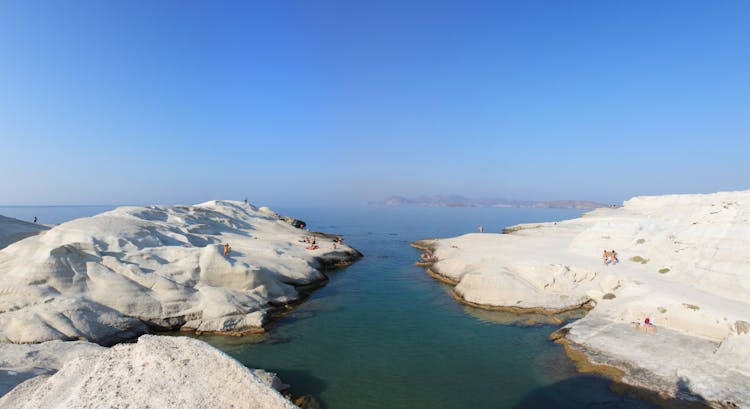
point(481, 228)
point(227, 249)
point(613, 256)
point(605, 257)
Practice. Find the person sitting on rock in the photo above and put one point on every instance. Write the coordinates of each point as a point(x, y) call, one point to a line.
point(227, 249)
point(427, 257)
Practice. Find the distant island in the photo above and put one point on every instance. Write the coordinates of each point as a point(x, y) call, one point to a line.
point(461, 201)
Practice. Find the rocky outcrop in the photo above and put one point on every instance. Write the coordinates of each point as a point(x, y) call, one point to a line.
point(20, 362)
point(683, 263)
point(156, 372)
point(122, 273)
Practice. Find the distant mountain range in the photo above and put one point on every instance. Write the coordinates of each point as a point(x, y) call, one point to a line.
point(461, 201)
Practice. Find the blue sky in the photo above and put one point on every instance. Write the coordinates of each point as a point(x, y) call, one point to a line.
point(319, 102)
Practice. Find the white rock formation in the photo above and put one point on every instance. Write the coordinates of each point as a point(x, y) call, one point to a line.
point(684, 263)
point(156, 372)
point(109, 277)
point(12, 230)
point(19, 362)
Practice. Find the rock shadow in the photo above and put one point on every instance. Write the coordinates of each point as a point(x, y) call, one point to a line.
point(302, 382)
point(685, 393)
point(593, 391)
point(9, 379)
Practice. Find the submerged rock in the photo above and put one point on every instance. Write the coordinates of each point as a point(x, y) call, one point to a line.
point(693, 286)
point(113, 276)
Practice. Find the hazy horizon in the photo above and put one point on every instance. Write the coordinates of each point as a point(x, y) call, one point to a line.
point(350, 203)
point(335, 102)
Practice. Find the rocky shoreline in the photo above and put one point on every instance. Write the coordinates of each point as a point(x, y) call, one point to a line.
point(681, 264)
point(134, 270)
point(111, 278)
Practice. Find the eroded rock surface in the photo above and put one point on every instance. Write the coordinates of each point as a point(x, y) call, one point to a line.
point(684, 262)
point(121, 273)
point(156, 372)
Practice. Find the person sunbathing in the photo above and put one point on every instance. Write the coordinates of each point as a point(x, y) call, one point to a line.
point(647, 325)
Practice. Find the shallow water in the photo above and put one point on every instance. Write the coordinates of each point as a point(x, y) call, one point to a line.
point(383, 334)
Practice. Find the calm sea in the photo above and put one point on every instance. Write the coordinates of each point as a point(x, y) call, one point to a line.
point(383, 334)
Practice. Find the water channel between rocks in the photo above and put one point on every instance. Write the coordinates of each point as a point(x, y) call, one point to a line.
point(383, 334)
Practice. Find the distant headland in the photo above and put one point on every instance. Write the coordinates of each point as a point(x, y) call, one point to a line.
point(461, 201)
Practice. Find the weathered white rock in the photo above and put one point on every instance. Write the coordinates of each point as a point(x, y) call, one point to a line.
point(19, 362)
point(13, 230)
point(109, 277)
point(155, 372)
point(684, 263)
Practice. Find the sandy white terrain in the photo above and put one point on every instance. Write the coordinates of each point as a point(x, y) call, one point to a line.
point(113, 276)
point(156, 372)
point(684, 262)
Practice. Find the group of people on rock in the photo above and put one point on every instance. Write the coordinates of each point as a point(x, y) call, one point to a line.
point(427, 257)
point(337, 242)
point(610, 257)
point(312, 241)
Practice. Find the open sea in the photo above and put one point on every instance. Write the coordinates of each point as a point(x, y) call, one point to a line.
point(383, 334)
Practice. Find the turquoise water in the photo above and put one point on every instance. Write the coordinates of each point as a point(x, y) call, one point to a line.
point(383, 334)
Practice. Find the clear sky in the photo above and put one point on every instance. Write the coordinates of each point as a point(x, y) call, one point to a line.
point(317, 102)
